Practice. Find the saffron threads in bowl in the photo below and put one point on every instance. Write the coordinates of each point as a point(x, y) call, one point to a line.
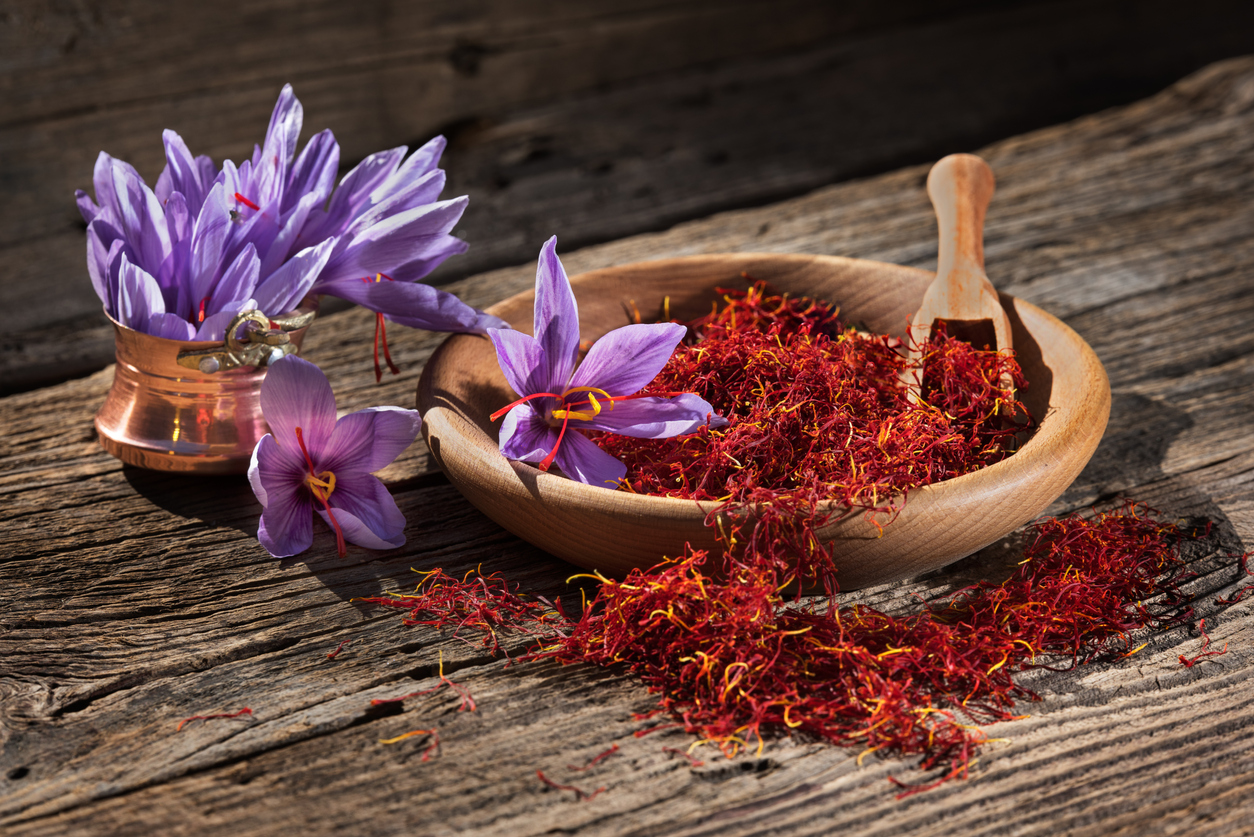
point(817, 413)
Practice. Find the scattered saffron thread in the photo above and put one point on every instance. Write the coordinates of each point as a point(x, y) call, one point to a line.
point(467, 701)
point(595, 761)
point(240, 713)
point(338, 649)
point(1243, 571)
point(692, 760)
point(381, 335)
point(579, 794)
point(426, 754)
point(1189, 662)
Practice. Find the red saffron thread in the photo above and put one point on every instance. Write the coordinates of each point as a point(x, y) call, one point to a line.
point(467, 703)
point(1189, 662)
point(240, 713)
point(692, 760)
point(246, 202)
point(338, 649)
point(595, 761)
point(579, 794)
point(1243, 571)
point(323, 495)
point(381, 335)
point(426, 754)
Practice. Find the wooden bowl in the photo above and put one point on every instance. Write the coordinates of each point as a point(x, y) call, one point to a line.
point(614, 531)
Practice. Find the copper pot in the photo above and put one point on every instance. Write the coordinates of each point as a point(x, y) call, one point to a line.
point(194, 406)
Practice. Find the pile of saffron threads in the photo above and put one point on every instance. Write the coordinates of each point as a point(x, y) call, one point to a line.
point(817, 413)
point(734, 661)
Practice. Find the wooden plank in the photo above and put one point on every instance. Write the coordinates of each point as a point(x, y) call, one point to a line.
point(593, 123)
point(135, 600)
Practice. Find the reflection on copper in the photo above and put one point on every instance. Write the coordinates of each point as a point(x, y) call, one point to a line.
point(167, 417)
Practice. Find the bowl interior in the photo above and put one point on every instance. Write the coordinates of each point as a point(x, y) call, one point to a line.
point(613, 532)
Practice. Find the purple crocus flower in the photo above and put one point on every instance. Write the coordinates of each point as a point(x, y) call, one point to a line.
point(207, 243)
point(598, 395)
point(311, 462)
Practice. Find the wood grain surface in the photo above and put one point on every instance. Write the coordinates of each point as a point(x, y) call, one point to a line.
point(133, 600)
point(596, 121)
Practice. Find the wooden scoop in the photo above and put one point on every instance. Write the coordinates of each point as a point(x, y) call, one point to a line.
point(960, 186)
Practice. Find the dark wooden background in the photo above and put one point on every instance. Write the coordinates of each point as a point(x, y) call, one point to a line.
point(589, 120)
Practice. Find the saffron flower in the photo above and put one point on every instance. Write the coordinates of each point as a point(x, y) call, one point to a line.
point(311, 462)
point(598, 395)
point(182, 259)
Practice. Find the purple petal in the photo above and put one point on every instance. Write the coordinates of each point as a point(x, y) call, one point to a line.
point(655, 418)
point(366, 512)
point(367, 440)
point(139, 296)
point(422, 190)
point(522, 361)
point(294, 394)
point(394, 241)
point(283, 289)
point(238, 281)
point(285, 123)
point(113, 271)
point(101, 236)
point(581, 460)
point(271, 165)
point(313, 173)
point(526, 436)
point(208, 239)
point(170, 326)
point(411, 304)
point(628, 358)
point(178, 218)
point(288, 232)
point(432, 256)
point(102, 179)
point(140, 218)
point(182, 172)
point(420, 163)
point(354, 191)
point(86, 206)
point(286, 526)
point(556, 317)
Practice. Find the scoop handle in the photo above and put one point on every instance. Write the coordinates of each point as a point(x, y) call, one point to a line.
point(961, 187)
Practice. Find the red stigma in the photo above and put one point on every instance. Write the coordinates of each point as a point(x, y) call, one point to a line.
point(245, 201)
point(200, 317)
point(381, 336)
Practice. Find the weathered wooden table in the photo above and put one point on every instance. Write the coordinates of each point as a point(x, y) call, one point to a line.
point(133, 600)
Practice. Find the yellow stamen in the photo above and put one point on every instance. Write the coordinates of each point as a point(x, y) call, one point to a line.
point(584, 415)
point(321, 485)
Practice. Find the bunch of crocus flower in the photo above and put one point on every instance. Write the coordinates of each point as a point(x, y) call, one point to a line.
point(599, 394)
point(182, 259)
